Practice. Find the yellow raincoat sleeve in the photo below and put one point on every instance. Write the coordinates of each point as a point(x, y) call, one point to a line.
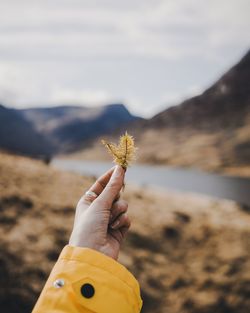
point(84, 280)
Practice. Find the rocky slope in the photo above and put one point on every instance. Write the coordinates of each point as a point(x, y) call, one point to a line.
point(191, 254)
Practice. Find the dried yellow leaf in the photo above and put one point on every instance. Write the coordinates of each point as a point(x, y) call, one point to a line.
point(125, 152)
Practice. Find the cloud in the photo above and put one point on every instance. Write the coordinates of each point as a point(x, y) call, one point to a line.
point(61, 49)
point(153, 29)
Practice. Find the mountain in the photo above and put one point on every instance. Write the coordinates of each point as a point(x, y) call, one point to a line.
point(72, 127)
point(209, 131)
point(18, 135)
point(224, 105)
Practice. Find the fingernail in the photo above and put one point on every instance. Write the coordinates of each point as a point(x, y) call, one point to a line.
point(115, 224)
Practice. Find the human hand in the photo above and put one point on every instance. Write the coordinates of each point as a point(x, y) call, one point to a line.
point(101, 222)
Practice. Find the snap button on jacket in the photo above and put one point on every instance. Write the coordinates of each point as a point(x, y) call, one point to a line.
point(84, 280)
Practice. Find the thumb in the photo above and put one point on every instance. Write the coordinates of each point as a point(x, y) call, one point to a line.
point(113, 187)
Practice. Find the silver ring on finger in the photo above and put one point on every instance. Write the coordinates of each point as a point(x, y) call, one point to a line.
point(91, 193)
point(90, 196)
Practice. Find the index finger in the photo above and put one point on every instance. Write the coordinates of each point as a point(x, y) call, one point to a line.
point(101, 182)
point(113, 187)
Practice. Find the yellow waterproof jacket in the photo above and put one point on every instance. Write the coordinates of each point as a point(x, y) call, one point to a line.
point(84, 280)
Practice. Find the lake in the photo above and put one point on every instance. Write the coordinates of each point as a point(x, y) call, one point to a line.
point(180, 179)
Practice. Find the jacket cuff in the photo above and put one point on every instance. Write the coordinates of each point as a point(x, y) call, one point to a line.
point(91, 280)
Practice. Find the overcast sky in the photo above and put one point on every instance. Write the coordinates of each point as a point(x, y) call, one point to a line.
point(148, 54)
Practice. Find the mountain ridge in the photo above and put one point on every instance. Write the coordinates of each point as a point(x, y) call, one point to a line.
point(210, 131)
point(191, 112)
point(70, 127)
point(19, 136)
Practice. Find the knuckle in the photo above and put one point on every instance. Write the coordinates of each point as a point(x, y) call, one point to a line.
point(85, 200)
point(123, 206)
point(114, 184)
point(103, 203)
point(120, 206)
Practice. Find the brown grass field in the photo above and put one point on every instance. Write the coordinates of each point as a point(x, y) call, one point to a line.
point(190, 253)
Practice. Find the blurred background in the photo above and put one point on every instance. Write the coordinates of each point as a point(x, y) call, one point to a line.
point(175, 75)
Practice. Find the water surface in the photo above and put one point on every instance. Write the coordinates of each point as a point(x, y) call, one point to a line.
point(233, 188)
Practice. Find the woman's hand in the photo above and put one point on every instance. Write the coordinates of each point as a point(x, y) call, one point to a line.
point(101, 221)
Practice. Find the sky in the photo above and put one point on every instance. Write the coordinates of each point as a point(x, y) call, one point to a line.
point(147, 54)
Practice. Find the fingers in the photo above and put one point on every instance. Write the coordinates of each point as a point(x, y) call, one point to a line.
point(101, 182)
point(118, 232)
point(113, 187)
point(89, 197)
point(97, 187)
point(118, 208)
point(123, 221)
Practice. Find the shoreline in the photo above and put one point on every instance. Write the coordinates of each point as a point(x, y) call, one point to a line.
point(178, 179)
point(232, 171)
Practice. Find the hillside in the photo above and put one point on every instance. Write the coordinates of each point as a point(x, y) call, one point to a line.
point(210, 131)
point(224, 105)
point(18, 135)
point(73, 127)
point(191, 254)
